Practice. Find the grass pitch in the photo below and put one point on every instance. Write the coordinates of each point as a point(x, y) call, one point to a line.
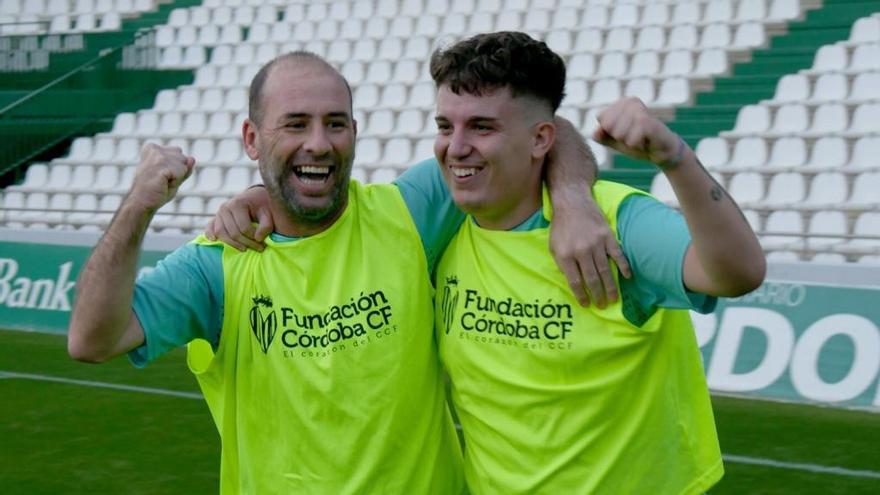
point(79, 437)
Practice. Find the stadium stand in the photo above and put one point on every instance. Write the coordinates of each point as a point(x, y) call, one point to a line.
point(780, 98)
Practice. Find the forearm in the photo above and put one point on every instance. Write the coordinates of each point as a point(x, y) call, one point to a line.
point(102, 311)
point(571, 167)
point(723, 241)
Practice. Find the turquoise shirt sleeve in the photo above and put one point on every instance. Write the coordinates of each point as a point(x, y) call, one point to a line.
point(655, 238)
point(178, 301)
point(430, 204)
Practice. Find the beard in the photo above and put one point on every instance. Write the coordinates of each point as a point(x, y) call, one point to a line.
point(277, 179)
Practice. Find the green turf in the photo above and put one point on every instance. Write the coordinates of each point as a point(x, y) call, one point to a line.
point(67, 439)
point(60, 438)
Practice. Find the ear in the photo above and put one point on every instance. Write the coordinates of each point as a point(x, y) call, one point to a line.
point(354, 126)
point(250, 137)
point(542, 139)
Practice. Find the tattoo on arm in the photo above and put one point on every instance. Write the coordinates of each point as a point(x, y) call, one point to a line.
point(717, 192)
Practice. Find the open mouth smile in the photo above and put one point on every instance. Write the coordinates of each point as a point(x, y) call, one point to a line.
point(311, 174)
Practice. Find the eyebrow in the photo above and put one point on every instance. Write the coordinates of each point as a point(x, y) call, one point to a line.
point(304, 115)
point(477, 118)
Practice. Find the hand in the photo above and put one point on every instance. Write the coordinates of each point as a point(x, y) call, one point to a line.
point(628, 127)
point(233, 223)
point(161, 171)
point(581, 243)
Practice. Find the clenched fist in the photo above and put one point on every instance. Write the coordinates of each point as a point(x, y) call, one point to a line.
point(628, 127)
point(161, 171)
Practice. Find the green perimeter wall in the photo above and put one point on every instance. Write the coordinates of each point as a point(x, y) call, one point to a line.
point(786, 340)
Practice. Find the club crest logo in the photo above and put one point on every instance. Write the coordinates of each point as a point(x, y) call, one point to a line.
point(264, 324)
point(449, 302)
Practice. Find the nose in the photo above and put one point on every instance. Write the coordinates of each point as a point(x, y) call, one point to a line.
point(317, 142)
point(457, 146)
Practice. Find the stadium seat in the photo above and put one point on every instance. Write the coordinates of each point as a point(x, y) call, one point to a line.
point(713, 152)
point(828, 119)
point(104, 150)
point(650, 38)
point(624, 15)
point(368, 151)
point(235, 179)
point(397, 151)
point(865, 120)
point(612, 65)
point(711, 62)
point(783, 231)
point(866, 87)
point(645, 63)
point(865, 58)
point(865, 192)
point(595, 16)
point(746, 187)
point(641, 88)
point(605, 91)
point(831, 87)
point(619, 39)
point(587, 41)
point(866, 239)
point(865, 30)
point(716, 36)
point(826, 229)
point(787, 153)
point(565, 19)
point(751, 10)
point(655, 14)
point(791, 118)
point(750, 35)
point(36, 177)
point(718, 11)
point(828, 153)
point(865, 154)
point(784, 10)
point(748, 153)
point(827, 189)
point(686, 12)
point(678, 63)
point(792, 88)
point(674, 91)
point(683, 36)
point(830, 58)
point(786, 189)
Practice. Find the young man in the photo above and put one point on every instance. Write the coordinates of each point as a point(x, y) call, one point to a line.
point(316, 356)
point(553, 397)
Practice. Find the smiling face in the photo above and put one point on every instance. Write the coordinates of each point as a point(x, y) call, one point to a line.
point(491, 150)
point(304, 144)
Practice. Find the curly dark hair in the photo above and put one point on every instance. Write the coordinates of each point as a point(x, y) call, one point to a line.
point(487, 62)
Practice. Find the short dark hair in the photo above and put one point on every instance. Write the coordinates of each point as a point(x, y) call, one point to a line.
point(487, 62)
point(255, 94)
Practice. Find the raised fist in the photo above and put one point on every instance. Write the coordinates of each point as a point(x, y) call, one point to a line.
point(628, 127)
point(161, 171)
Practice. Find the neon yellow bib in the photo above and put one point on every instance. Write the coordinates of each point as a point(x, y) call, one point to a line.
point(326, 379)
point(554, 398)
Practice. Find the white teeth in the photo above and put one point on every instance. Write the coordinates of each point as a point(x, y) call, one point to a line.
point(464, 172)
point(315, 170)
point(307, 181)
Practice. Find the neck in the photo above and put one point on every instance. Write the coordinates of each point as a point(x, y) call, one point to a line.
point(508, 218)
point(291, 225)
